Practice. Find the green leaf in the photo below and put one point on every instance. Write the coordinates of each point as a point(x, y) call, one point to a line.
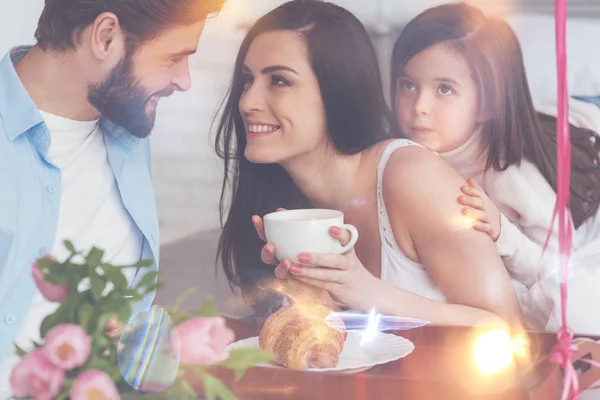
point(49, 322)
point(94, 257)
point(85, 314)
point(241, 359)
point(132, 293)
point(102, 321)
point(115, 373)
point(216, 389)
point(74, 274)
point(45, 263)
point(52, 271)
point(179, 301)
point(19, 351)
point(69, 245)
point(68, 309)
point(101, 341)
point(148, 279)
point(124, 312)
point(63, 396)
point(98, 284)
point(207, 309)
point(135, 395)
point(144, 263)
point(178, 316)
point(187, 389)
point(99, 363)
point(153, 287)
point(116, 276)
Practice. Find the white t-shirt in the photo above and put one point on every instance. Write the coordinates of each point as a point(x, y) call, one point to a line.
point(91, 214)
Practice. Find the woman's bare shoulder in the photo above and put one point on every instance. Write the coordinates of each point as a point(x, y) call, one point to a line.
point(420, 168)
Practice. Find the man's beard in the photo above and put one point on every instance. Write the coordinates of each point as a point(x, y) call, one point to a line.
point(124, 101)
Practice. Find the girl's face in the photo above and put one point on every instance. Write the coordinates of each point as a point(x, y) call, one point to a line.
point(281, 105)
point(437, 101)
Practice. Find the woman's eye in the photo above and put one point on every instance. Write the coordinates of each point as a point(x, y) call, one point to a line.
point(246, 81)
point(279, 81)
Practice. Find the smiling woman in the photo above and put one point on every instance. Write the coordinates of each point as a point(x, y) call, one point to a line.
point(305, 125)
point(276, 129)
point(275, 85)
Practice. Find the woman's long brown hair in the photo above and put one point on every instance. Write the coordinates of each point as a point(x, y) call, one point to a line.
point(514, 129)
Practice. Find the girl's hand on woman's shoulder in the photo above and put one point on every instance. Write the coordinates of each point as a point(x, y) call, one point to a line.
point(481, 208)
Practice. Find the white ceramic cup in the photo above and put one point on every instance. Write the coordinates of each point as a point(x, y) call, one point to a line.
point(306, 231)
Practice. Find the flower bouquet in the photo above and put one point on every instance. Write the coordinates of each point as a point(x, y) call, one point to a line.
point(95, 347)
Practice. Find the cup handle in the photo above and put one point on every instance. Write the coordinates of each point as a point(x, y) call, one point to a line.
point(353, 237)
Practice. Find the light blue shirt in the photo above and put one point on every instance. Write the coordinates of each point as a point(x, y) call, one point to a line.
point(30, 190)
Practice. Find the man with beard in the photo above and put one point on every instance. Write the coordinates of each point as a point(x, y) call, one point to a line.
point(76, 110)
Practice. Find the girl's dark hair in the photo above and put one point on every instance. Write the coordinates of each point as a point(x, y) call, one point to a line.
point(143, 20)
point(514, 130)
point(345, 64)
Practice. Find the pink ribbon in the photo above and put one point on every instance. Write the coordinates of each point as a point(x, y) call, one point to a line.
point(564, 350)
point(561, 354)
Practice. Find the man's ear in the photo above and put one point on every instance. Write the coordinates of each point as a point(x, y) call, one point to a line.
point(106, 38)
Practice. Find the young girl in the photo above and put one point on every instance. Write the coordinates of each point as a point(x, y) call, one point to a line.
point(459, 88)
point(305, 125)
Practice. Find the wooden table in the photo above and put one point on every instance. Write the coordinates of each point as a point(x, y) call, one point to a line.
point(440, 367)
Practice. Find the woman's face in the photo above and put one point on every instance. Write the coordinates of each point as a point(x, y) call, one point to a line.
point(281, 104)
point(437, 101)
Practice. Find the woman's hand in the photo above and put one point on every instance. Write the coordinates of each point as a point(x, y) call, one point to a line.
point(291, 287)
point(481, 208)
point(267, 253)
point(342, 275)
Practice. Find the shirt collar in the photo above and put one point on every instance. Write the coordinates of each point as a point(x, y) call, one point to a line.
point(18, 112)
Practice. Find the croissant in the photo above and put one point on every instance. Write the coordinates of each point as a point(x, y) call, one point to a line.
point(300, 338)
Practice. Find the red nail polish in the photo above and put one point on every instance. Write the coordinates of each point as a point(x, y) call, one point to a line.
point(295, 269)
point(304, 258)
point(335, 230)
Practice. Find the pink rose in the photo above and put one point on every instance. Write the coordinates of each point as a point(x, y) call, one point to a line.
point(51, 291)
point(204, 340)
point(67, 346)
point(35, 376)
point(94, 384)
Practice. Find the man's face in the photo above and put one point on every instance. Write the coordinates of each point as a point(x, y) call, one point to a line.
point(130, 93)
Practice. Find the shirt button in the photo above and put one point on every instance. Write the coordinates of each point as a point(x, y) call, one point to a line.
point(9, 319)
point(49, 189)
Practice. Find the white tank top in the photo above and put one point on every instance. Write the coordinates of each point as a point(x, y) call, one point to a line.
point(397, 268)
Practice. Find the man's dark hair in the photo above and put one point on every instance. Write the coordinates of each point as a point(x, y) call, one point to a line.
point(62, 21)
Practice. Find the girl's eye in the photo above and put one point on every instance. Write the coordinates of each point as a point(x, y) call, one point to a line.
point(445, 90)
point(407, 86)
